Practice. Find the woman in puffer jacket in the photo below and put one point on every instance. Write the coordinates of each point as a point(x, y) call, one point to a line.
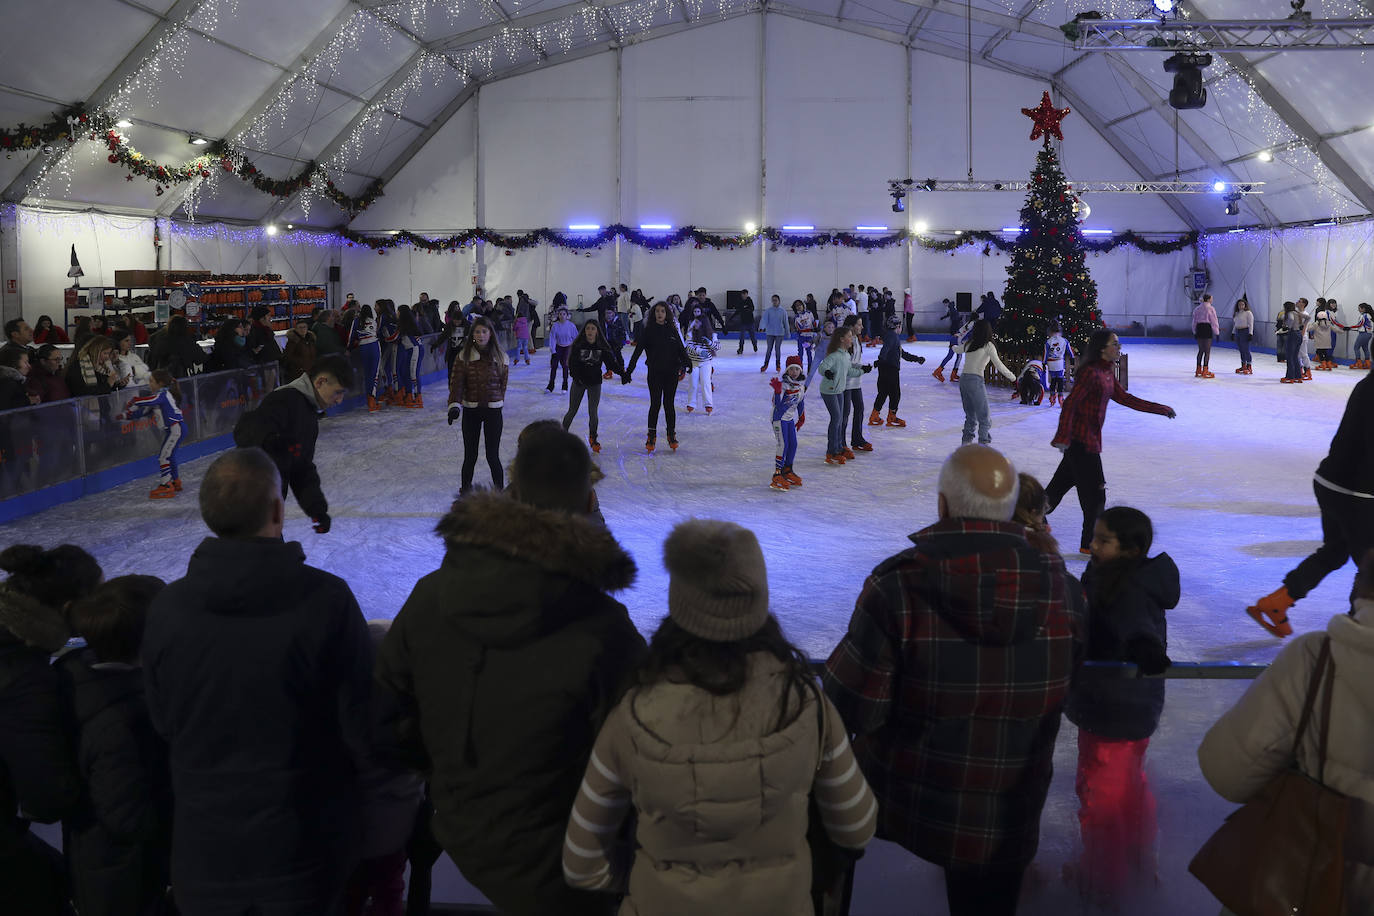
point(477, 392)
point(1253, 741)
point(718, 746)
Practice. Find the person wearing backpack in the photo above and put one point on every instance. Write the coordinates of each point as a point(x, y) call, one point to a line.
point(286, 425)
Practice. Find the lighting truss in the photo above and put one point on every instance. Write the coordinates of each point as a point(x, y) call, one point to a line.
point(1133, 186)
point(1297, 34)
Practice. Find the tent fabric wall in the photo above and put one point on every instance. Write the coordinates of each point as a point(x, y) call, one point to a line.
point(103, 243)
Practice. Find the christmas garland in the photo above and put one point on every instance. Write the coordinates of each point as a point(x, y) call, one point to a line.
point(661, 241)
point(75, 123)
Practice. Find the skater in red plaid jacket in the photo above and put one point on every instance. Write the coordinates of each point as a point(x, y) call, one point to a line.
point(952, 677)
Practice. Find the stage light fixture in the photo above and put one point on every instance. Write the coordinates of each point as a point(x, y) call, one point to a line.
point(1264, 156)
point(1232, 204)
point(1164, 7)
point(1188, 91)
point(1218, 186)
point(271, 228)
point(197, 141)
point(898, 205)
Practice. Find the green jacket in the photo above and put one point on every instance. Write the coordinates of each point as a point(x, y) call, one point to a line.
point(499, 670)
point(844, 369)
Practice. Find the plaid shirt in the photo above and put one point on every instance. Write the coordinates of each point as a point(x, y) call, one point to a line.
point(1085, 409)
point(953, 674)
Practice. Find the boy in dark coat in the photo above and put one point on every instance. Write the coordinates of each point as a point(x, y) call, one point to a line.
point(118, 840)
point(286, 425)
point(257, 671)
point(502, 666)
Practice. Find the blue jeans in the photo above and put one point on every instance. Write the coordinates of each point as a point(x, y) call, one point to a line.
point(1243, 342)
point(834, 435)
point(522, 348)
point(1292, 344)
point(774, 350)
point(974, 396)
point(958, 356)
point(1362, 345)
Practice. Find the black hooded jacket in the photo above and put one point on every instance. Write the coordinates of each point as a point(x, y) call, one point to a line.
point(1130, 629)
point(586, 359)
point(502, 665)
point(118, 839)
point(38, 777)
point(258, 674)
point(664, 353)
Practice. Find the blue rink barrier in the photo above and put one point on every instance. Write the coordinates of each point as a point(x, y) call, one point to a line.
point(61, 451)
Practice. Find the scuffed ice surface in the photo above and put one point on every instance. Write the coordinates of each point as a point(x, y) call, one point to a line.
point(1228, 485)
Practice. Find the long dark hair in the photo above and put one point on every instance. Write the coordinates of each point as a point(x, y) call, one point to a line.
point(1096, 344)
point(980, 336)
point(405, 322)
point(470, 351)
point(722, 668)
point(1135, 533)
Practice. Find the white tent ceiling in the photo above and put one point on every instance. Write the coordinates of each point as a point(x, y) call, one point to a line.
point(360, 85)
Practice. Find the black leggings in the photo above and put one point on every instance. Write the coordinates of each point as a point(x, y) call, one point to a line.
point(1347, 533)
point(474, 419)
point(856, 418)
point(662, 390)
point(575, 401)
point(889, 388)
point(1080, 469)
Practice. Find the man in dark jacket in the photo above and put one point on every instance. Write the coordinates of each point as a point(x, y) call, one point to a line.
point(744, 317)
point(709, 309)
point(953, 675)
point(262, 339)
point(502, 665)
point(286, 425)
point(257, 669)
point(18, 336)
point(604, 306)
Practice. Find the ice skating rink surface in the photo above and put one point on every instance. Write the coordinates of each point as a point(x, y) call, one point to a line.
point(1228, 485)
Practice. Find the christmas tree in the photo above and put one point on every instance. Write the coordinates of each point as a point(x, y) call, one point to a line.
point(1048, 279)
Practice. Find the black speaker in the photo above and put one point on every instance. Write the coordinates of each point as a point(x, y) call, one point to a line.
point(963, 302)
point(334, 274)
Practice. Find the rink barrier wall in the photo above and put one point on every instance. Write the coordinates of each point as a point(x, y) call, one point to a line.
point(61, 451)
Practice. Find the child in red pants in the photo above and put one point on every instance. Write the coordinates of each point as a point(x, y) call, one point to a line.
point(1128, 593)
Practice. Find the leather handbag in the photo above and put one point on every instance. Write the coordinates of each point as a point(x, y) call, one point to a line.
point(1283, 852)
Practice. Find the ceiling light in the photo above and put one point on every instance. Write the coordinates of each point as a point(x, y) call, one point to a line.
point(1219, 186)
point(124, 124)
point(656, 227)
point(198, 141)
point(1188, 91)
point(1164, 7)
point(290, 226)
point(271, 228)
point(870, 228)
point(798, 228)
point(751, 228)
point(919, 227)
point(1264, 156)
point(584, 227)
point(1096, 231)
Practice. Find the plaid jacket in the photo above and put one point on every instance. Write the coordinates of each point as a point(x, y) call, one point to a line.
point(1085, 409)
point(953, 674)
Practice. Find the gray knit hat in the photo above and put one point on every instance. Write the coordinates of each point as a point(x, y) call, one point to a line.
point(718, 584)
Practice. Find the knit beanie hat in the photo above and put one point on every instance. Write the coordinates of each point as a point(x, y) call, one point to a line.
point(794, 360)
point(717, 581)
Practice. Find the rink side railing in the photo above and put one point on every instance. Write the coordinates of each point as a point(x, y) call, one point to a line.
point(56, 452)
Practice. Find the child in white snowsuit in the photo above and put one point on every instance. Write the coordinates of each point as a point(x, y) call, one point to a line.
point(702, 347)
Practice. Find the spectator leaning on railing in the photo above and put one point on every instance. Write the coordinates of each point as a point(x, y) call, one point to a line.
point(14, 373)
point(46, 377)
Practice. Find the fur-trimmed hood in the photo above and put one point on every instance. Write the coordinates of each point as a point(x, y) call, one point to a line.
point(32, 622)
point(571, 545)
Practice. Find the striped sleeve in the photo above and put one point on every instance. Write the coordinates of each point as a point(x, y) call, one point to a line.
point(601, 805)
point(848, 807)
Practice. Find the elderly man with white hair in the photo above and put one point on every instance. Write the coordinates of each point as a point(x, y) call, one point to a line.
point(952, 677)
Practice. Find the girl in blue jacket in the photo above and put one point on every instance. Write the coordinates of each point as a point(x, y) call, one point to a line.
point(165, 400)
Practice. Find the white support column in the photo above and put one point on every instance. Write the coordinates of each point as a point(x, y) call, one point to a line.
point(910, 59)
point(763, 151)
point(619, 158)
point(11, 303)
point(479, 200)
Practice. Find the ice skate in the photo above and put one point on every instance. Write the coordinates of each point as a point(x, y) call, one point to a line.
point(763, 368)
point(690, 408)
point(864, 447)
point(596, 446)
point(709, 409)
point(834, 459)
point(1208, 373)
point(418, 401)
point(1307, 374)
point(954, 375)
point(1197, 373)
point(672, 441)
point(1275, 606)
point(779, 483)
point(894, 420)
point(162, 491)
point(176, 485)
point(372, 405)
point(939, 373)
point(565, 384)
point(1289, 381)
point(874, 419)
point(649, 442)
point(550, 388)
point(1240, 371)
point(405, 399)
point(846, 453)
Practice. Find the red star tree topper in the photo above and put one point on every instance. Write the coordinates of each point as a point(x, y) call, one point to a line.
point(1046, 119)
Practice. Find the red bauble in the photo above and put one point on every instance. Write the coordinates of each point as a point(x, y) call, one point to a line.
point(1054, 230)
point(112, 157)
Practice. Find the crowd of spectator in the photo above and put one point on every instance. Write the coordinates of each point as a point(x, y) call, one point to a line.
point(241, 740)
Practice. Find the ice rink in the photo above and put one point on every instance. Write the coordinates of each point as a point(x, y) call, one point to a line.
point(1228, 485)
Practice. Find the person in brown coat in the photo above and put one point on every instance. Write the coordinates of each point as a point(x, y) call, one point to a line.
point(300, 350)
point(477, 392)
